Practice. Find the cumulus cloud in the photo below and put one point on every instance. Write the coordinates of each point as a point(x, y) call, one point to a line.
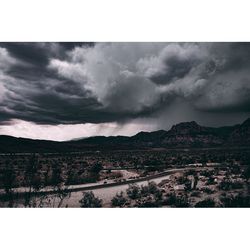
point(107, 70)
point(173, 62)
point(125, 77)
point(148, 73)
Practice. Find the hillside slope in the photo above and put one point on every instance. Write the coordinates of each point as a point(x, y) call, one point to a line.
point(182, 135)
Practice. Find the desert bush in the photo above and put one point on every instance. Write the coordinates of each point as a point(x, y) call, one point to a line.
point(211, 180)
point(148, 201)
point(153, 189)
point(133, 191)
point(235, 201)
point(118, 200)
point(208, 202)
point(207, 173)
point(145, 196)
point(96, 168)
point(176, 200)
point(228, 184)
point(225, 184)
point(235, 170)
point(246, 173)
point(89, 200)
point(195, 194)
point(207, 190)
point(188, 185)
point(181, 180)
point(181, 201)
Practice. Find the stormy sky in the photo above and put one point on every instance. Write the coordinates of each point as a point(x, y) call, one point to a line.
point(61, 91)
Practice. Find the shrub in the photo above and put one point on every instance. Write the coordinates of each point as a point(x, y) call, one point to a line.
point(195, 194)
point(206, 203)
point(170, 199)
point(182, 201)
point(225, 184)
point(228, 184)
point(235, 201)
point(236, 185)
point(153, 189)
point(177, 200)
point(188, 185)
point(149, 201)
point(89, 200)
point(211, 181)
point(207, 190)
point(96, 168)
point(145, 196)
point(207, 173)
point(181, 180)
point(118, 200)
point(246, 173)
point(133, 191)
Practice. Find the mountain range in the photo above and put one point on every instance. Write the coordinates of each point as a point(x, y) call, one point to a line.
point(182, 135)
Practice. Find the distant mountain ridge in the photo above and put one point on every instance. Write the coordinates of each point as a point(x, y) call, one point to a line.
point(182, 135)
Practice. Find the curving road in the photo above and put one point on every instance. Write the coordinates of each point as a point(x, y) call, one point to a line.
point(107, 191)
point(110, 183)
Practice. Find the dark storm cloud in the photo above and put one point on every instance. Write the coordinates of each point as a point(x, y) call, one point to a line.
point(177, 61)
point(34, 57)
point(176, 69)
point(227, 87)
point(68, 83)
point(236, 55)
point(34, 93)
point(39, 53)
point(33, 53)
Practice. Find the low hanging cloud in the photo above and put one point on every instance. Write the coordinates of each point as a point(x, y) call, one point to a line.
point(72, 83)
point(64, 132)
